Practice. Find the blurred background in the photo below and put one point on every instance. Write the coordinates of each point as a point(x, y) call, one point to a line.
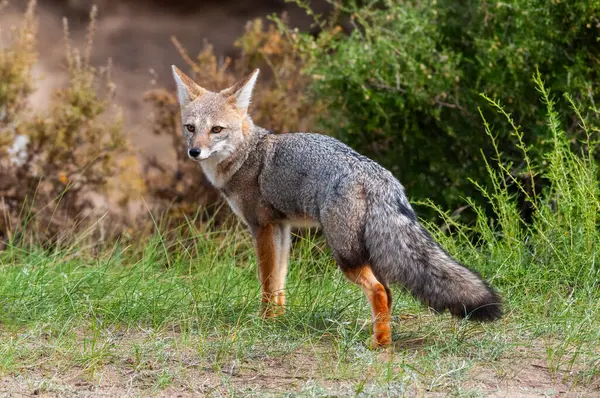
point(136, 35)
point(90, 128)
point(143, 168)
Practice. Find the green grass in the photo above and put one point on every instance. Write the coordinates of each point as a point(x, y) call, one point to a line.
point(133, 310)
point(179, 312)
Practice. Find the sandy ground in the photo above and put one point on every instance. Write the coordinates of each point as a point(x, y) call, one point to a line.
point(521, 374)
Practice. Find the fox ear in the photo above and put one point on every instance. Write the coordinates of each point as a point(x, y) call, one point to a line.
point(187, 89)
point(241, 92)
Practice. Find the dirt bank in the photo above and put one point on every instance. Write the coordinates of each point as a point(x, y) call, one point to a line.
point(136, 35)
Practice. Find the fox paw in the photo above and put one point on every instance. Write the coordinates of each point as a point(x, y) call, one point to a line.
point(382, 338)
point(271, 310)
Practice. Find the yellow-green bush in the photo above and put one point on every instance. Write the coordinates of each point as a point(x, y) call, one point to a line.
point(53, 162)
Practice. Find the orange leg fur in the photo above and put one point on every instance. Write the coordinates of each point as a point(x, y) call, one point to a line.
point(271, 273)
point(378, 297)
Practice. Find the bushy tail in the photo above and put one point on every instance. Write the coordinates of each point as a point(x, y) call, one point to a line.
point(402, 252)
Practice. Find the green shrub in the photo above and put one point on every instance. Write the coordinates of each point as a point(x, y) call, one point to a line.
point(548, 266)
point(404, 85)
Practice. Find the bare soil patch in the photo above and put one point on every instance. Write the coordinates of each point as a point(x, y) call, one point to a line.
point(184, 372)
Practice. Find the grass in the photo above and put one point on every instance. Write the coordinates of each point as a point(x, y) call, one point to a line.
point(178, 313)
point(157, 321)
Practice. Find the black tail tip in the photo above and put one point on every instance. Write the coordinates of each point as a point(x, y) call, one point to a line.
point(485, 311)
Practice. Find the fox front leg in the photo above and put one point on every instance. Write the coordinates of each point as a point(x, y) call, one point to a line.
point(272, 247)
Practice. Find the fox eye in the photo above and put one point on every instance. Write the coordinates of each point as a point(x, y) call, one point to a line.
point(190, 127)
point(216, 129)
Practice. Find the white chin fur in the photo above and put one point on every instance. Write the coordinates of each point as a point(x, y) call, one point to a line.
point(204, 156)
point(209, 164)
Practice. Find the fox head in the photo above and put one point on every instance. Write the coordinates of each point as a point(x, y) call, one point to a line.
point(214, 124)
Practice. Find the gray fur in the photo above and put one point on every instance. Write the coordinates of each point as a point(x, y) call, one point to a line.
point(284, 179)
point(367, 218)
point(365, 215)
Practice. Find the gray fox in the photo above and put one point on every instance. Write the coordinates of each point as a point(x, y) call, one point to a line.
point(275, 181)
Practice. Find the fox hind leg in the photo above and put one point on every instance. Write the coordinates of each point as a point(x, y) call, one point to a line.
point(269, 244)
point(380, 298)
point(343, 221)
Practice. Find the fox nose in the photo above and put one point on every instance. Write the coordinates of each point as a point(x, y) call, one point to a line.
point(194, 152)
